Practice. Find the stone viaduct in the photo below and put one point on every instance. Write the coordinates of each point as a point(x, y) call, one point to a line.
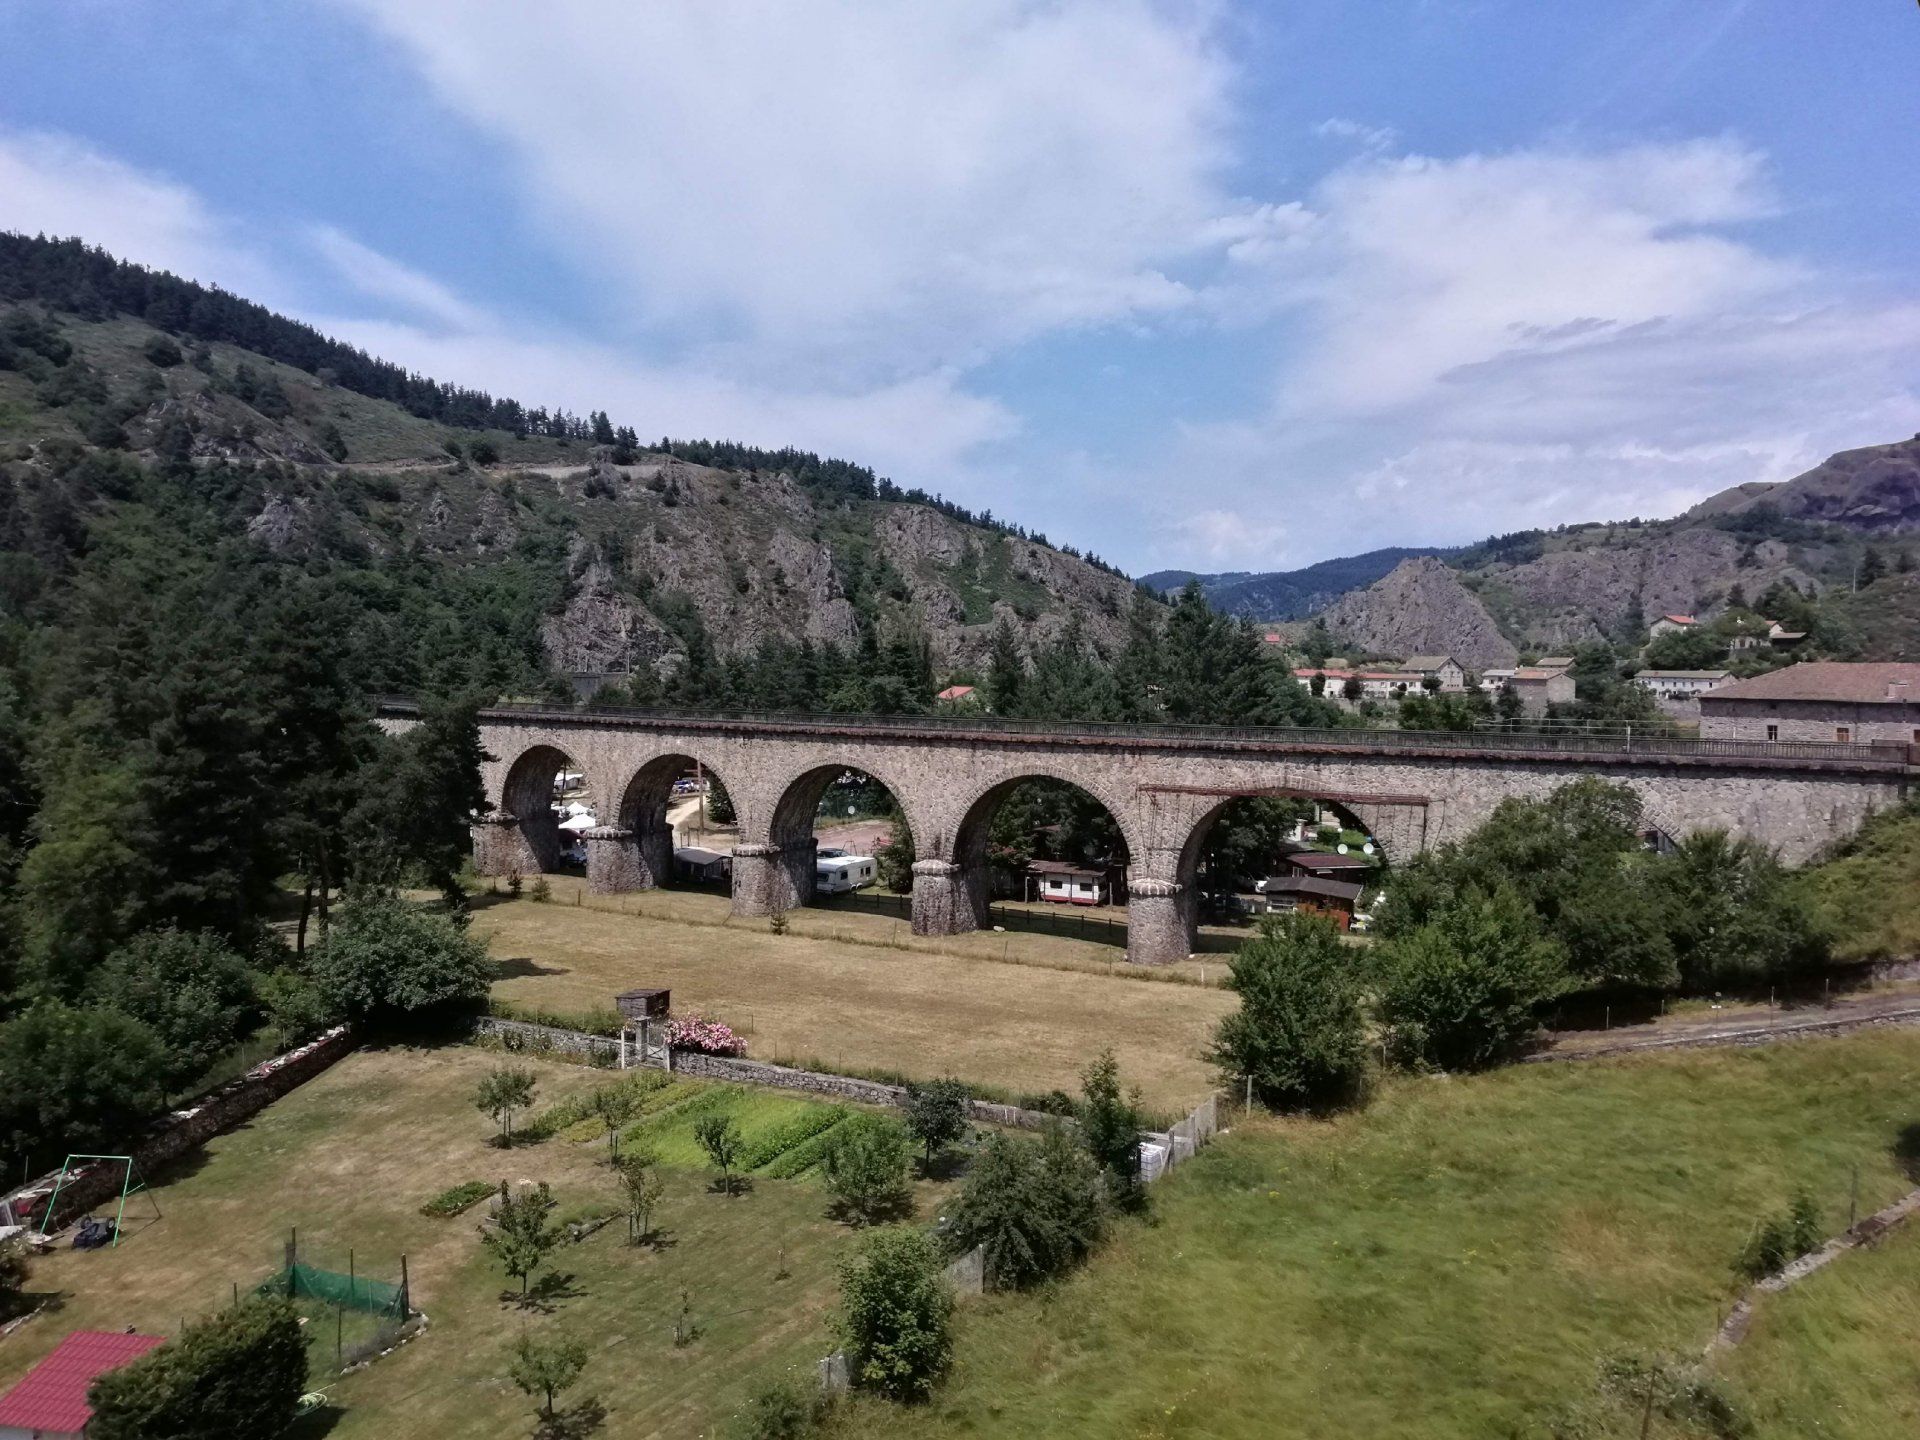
point(1163, 785)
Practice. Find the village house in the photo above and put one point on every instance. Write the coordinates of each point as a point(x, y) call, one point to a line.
point(955, 694)
point(1539, 687)
point(1678, 692)
point(1668, 624)
point(1064, 883)
point(1314, 895)
point(1450, 673)
point(1828, 700)
point(1382, 685)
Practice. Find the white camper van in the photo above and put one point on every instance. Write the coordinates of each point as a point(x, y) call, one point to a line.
point(839, 874)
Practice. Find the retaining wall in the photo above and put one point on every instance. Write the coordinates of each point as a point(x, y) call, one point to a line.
point(211, 1114)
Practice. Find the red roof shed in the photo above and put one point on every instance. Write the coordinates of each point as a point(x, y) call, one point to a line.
point(52, 1398)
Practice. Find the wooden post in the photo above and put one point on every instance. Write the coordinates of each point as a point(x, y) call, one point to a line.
point(352, 1284)
point(339, 1337)
point(406, 1291)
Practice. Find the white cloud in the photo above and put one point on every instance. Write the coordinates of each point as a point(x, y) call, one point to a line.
point(380, 277)
point(867, 187)
point(1367, 137)
point(1495, 342)
point(55, 185)
point(1228, 540)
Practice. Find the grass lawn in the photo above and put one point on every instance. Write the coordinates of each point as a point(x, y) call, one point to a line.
point(351, 1156)
point(1457, 1260)
point(1836, 1355)
point(807, 995)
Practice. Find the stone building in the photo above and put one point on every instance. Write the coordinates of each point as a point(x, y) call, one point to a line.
point(1678, 692)
point(1539, 687)
point(1444, 668)
point(1827, 700)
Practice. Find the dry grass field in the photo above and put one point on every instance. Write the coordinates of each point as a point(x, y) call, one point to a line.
point(812, 994)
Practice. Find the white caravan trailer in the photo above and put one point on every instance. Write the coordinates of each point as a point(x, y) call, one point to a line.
point(839, 874)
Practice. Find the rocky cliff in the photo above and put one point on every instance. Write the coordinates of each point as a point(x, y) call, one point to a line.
point(1875, 489)
point(1421, 607)
point(633, 549)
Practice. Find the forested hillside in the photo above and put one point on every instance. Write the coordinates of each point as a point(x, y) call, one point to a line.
point(632, 549)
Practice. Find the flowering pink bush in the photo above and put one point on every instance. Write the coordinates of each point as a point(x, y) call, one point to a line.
point(709, 1037)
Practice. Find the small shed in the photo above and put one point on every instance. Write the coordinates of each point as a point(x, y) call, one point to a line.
point(1326, 863)
point(1314, 895)
point(1064, 883)
point(644, 1004)
point(701, 866)
point(50, 1402)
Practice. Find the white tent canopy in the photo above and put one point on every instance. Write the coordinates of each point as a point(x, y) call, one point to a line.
point(577, 823)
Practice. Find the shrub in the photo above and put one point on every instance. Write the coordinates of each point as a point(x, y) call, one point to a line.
point(388, 963)
point(190, 989)
point(85, 1079)
point(1300, 1031)
point(779, 1410)
point(1462, 991)
point(709, 1037)
point(1110, 1129)
point(460, 1197)
point(297, 1008)
point(542, 890)
point(936, 1114)
point(1033, 1205)
point(896, 1313)
point(1777, 1242)
point(162, 351)
point(13, 1275)
point(866, 1168)
point(238, 1373)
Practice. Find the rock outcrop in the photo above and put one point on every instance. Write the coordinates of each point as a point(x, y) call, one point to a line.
point(1421, 608)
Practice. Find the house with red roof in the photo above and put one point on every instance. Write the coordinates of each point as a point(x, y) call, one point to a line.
point(50, 1402)
point(1667, 624)
point(954, 694)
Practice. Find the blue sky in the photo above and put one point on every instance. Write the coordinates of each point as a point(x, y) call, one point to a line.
point(1211, 285)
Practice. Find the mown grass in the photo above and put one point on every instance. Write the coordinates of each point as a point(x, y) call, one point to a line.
point(350, 1157)
point(861, 1008)
point(1455, 1261)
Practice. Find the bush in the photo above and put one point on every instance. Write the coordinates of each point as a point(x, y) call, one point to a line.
point(297, 1008)
point(13, 1275)
point(162, 351)
point(896, 1313)
point(78, 1079)
point(189, 989)
point(866, 1168)
point(1462, 991)
point(460, 1197)
point(1300, 1031)
point(709, 1037)
point(542, 890)
point(780, 1410)
point(387, 963)
point(1777, 1242)
point(1032, 1204)
point(237, 1374)
point(1110, 1129)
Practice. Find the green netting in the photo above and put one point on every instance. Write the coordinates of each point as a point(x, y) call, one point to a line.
point(350, 1292)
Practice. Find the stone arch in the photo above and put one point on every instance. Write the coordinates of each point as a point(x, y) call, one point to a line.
point(965, 872)
point(1188, 866)
point(523, 833)
point(633, 847)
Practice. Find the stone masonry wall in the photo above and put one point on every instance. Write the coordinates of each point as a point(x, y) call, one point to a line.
point(214, 1113)
point(1162, 793)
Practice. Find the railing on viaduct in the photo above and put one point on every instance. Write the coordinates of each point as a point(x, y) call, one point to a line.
point(1619, 746)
